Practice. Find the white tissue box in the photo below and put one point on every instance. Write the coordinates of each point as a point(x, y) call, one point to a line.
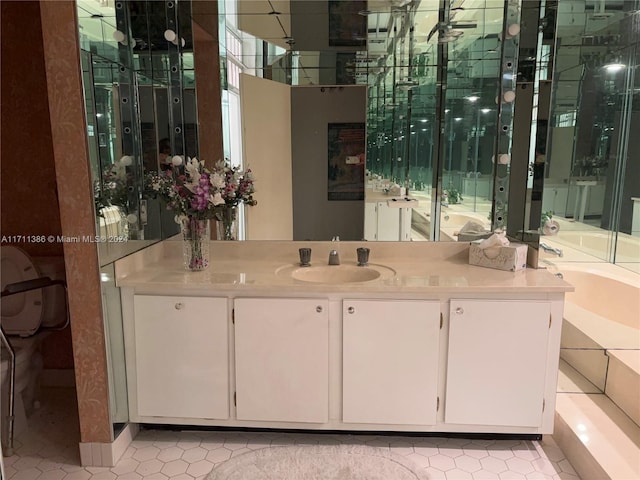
point(512, 257)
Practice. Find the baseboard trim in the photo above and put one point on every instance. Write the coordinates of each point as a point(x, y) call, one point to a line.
point(97, 454)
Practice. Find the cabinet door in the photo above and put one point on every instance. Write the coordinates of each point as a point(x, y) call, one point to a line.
point(390, 361)
point(370, 220)
point(388, 223)
point(181, 356)
point(282, 359)
point(497, 362)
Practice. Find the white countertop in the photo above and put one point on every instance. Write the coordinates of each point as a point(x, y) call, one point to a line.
point(420, 268)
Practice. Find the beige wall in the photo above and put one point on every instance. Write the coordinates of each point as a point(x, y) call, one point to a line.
point(313, 108)
point(75, 194)
point(28, 175)
point(266, 125)
point(27, 170)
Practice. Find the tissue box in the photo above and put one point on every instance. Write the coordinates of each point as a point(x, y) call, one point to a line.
point(511, 258)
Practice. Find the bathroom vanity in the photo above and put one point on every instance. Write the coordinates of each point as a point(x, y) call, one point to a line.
point(420, 342)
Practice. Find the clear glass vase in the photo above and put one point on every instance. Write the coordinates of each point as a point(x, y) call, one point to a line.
point(227, 222)
point(195, 243)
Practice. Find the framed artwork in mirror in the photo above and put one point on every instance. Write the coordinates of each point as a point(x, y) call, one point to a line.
point(346, 154)
point(347, 28)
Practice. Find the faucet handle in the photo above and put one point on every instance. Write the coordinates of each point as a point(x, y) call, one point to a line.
point(336, 238)
point(305, 257)
point(363, 256)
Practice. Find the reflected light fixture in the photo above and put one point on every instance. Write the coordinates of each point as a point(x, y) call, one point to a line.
point(509, 96)
point(473, 98)
point(485, 110)
point(120, 37)
point(614, 67)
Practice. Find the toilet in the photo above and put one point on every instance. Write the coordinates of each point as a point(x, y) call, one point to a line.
point(23, 315)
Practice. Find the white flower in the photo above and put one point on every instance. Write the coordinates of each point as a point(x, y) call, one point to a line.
point(179, 218)
point(217, 180)
point(176, 160)
point(192, 168)
point(155, 186)
point(191, 186)
point(216, 199)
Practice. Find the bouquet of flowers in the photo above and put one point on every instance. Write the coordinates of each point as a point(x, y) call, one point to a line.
point(112, 189)
point(235, 187)
point(200, 193)
point(196, 194)
point(189, 193)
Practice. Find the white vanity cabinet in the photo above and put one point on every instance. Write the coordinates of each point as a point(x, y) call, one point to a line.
point(390, 361)
point(282, 359)
point(180, 357)
point(382, 222)
point(497, 362)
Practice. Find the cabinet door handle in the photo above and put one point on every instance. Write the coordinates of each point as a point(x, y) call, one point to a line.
point(351, 310)
point(179, 306)
point(459, 310)
point(319, 309)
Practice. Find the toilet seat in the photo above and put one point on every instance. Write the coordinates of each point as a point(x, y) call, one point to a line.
point(21, 313)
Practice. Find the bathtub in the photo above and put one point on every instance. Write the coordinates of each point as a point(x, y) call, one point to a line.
point(602, 314)
point(599, 244)
point(450, 223)
point(458, 220)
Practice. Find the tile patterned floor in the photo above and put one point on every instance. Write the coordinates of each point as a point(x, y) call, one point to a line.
point(49, 451)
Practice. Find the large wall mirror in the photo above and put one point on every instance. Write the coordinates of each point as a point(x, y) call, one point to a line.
point(341, 108)
point(427, 88)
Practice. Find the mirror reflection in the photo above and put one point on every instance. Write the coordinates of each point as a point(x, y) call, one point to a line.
point(591, 182)
point(423, 142)
point(434, 149)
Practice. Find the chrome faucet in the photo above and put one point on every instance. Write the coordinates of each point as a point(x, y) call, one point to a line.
point(334, 256)
point(548, 249)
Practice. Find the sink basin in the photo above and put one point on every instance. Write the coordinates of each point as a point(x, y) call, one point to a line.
point(336, 274)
